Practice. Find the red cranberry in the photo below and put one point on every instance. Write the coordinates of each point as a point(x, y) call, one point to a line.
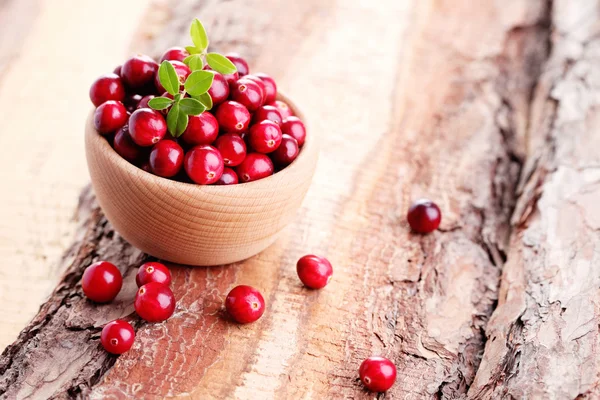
point(131, 102)
point(174, 54)
point(295, 128)
point(154, 302)
point(219, 90)
point(232, 148)
point(265, 136)
point(239, 62)
point(424, 216)
point(270, 87)
point(153, 272)
point(378, 374)
point(245, 304)
point(143, 103)
point(166, 158)
point(138, 71)
point(126, 147)
point(182, 70)
point(101, 282)
point(107, 87)
point(146, 166)
point(117, 70)
point(110, 116)
point(247, 93)
point(202, 129)
point(204, 164)
point(117, 336)
point(267, 113)
point(255, 166)
point(314, 271)
point(233, 117)
point(147, 127)
point(260, 84)
point(287, 151)
point(283, 108)
point(229, 78)
point(229, 177)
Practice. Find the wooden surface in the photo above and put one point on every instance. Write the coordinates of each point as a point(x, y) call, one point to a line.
point(489, 108)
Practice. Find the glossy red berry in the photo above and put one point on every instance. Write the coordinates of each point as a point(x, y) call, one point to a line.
point(138, 71)
point(147, 127)
point(247, 93)
point(267, 113)
point(126, 147)
point(265, 137)
point(287, 151)
point(254, 167)
point(229, 177)
point(245, 304)
point(378, 374)
point(117, 336)
point(219, 90)
point(202, 129)
point(144, 101)
point(283, 108)
point(203, 164)
point(101, 282)
point(110, 116)
point(270, 87)
point(424, 216)
point(229, 78)
point(260, 84)
point(314, 271)
point(182, 70)
point(153, 272)
point(174, 54)
point(239, 62)
point(166, 158)
point(233, 117)
point(233, 149)
point(107, 87)
point(131, 102)
point(295, 128)
point(154, 302)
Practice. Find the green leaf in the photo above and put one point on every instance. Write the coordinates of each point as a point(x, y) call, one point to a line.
point(168, 77)
point(206, 100)
point(177, 97)
point(194, 61)
point(160, 103)
point(198, 34)
point(191, 106)
point(220, 63)
point(177, 120)
point(198, 82)
point(192, 50)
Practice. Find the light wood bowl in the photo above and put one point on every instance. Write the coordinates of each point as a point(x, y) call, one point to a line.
point(194, 224)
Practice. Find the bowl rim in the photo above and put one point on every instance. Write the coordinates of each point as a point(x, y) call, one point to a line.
point(308, 149)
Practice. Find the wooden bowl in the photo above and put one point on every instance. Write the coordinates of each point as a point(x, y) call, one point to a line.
point(194, 224)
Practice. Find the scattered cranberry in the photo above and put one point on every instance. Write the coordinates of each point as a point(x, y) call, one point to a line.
point(219, 91)
point(117, 336)
point(424, 216)
point(147, 127)
point(101, 282)
point(247, 93)
point(287, 151)
point(270, 88)
point(245, 304)
point(202, 129)
point(229, 177)
point(154, 302)
point(182, 70)
point(107, 87)
point(265, 137)
point(174, 54)
point(239, 62)
point(255, 166)
point(267, 113)
point(232, 148)
point(144, 101)
point(378, 374)
point(153, 272)
point(131, 102)
point(283, 108)
point(110, 116)
point(204, 164)
point(138, 71)
point(166, 158)
point(233, 117)
point(295, 128)
point(126, 147)
point(314, 271)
